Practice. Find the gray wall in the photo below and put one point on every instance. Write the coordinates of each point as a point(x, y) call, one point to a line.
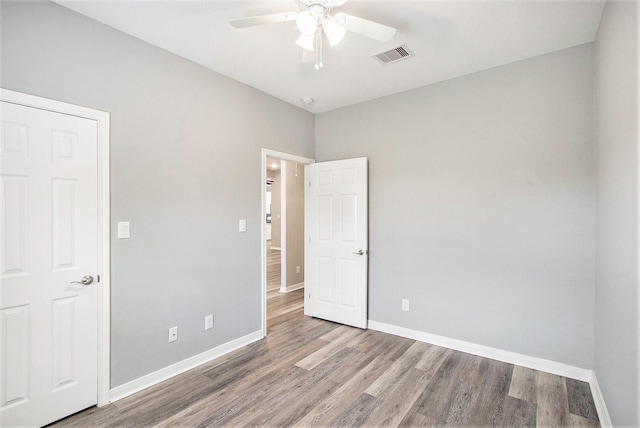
point(482, 204)
point(616, 310)
point(295, 223)
point(185, 167)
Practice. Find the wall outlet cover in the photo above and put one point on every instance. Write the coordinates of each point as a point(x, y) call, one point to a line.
point(173, 334)
point(208, 322)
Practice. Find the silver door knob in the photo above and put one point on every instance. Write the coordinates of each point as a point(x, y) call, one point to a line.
point(358, 253)
point(86, 280)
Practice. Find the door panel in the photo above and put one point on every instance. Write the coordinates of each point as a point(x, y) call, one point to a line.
point(49, 240)
point(336, 241)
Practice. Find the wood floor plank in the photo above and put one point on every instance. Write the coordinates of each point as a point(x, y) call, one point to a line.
point(397, 404)
point(338, 334)
point(553, 405)
point(346, 372)
point(385, 345)
point(267, 374)
point(434, 398)
point(459, 408)
point(358, 412)
point(517, 413)
point(327, 351)
point(198, 412)
point(399, 368)
point(523, 384)
point(337, 403)
point(307, 384)
point(433, 355)
point(580, 399)
point(413, 419)
point(244, 419)
point(474, 371)
point(161, 406)
point(490, 404)
point(579, 421)
point(301, 399)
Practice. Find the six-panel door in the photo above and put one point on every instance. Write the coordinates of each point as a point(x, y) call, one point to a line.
point(48, 242)
point(336, 241)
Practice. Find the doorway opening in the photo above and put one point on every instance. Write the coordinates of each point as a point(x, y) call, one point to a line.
point(282, 238)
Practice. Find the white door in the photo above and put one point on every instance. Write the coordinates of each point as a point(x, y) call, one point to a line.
point(336, 241)
point(48, 234)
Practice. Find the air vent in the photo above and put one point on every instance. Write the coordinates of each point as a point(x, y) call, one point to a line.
point(394, 55)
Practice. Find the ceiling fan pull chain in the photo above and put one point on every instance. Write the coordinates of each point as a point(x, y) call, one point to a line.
point(318, 48)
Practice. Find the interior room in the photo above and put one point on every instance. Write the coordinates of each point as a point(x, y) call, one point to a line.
point(503, 192)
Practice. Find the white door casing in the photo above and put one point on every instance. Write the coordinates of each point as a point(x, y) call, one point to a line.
point(336, 241)
point(52, 222)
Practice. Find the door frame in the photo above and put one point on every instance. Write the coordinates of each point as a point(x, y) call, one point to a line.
point(102, 120)
point(263, 243)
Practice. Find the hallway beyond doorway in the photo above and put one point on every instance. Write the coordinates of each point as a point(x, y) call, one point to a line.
point(281, 307)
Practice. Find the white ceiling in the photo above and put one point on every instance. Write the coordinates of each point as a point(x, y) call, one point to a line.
point(449, 39)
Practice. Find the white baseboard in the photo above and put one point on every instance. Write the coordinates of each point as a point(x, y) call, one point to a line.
point(276, 248)
point(290, 288)
point(598, 400)
point(535, 363)
point(158, 376)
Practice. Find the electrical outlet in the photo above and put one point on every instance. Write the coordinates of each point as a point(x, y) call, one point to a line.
point(208, 322)
point(297, 269)
point(173, 334)
point(405, 304)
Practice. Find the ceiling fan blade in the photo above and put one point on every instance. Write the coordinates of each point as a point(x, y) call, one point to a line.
point(373, 30)
point(264, 19)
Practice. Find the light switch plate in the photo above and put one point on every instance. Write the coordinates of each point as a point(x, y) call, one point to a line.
point(124, 230)
point(242, 225)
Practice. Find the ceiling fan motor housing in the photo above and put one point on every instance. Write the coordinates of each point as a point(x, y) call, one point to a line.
point(310, 18)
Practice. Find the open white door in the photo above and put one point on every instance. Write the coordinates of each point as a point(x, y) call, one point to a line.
point(336, 241)
point(48, 265)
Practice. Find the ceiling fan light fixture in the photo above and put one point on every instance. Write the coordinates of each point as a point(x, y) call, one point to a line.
point(306, 41)
point(307, 22)
point(334, 31)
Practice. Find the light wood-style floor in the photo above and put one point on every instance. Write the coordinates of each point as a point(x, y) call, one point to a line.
point(310, 372)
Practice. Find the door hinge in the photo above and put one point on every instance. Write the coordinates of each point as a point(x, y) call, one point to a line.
point(309, 295)
point(309, 183)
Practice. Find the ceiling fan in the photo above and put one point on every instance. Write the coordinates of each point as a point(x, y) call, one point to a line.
point(314, 19)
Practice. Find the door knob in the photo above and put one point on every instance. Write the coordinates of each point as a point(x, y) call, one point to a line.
point(358, 253)
point(86, 280)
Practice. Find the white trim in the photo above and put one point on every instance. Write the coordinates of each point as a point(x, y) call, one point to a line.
point(104, 217)
point(276, 248)
point(165, 373)
point(598, 400)
point(535, 363)
point(283, 223)
point(294, 287)
point(263, 242)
